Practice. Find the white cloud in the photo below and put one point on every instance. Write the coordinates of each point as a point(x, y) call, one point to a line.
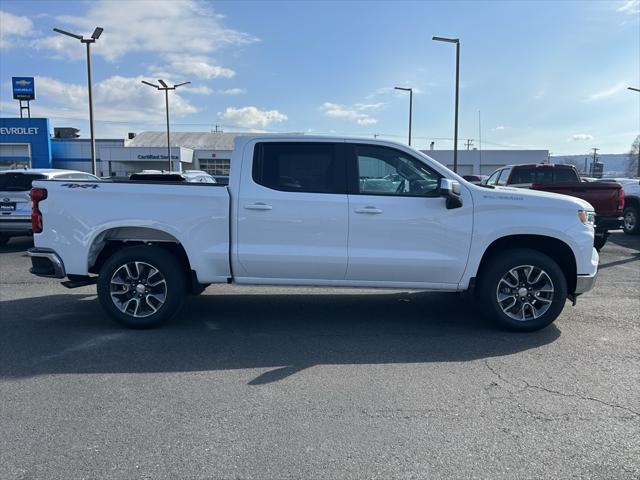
point(369, 106)
point(193, 65)
point(150, 26)
point(115, 98)
point(199, 90)
point(251, 117)
point(354, 113)
point(232, 91)
point(499, 127)
point(608, 92)
point(630, 7)
point(13, 26)
point(581, 137)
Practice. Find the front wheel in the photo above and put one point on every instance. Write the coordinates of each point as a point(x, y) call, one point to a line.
point(523, 289)
point(600, 240)
point(631, 224)
point(141, 286)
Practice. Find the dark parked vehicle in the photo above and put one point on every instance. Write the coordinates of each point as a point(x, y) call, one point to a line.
point(607, 198)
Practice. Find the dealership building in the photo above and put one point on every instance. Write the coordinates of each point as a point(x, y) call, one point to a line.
point(28, 142)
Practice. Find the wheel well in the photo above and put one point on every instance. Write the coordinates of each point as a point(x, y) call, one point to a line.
point(631, 202)
point(113, 240)
point(559, 251)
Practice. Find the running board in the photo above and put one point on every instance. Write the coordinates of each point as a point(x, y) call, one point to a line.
point(80, 282)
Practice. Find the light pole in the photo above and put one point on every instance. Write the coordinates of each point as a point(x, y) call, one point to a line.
point(455, 131)
point(88, 41)
point(410, 90)
point(166, 88)
point(638, 166)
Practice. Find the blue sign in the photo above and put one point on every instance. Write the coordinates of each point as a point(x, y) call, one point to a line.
point(33, 132)
point(24, 88)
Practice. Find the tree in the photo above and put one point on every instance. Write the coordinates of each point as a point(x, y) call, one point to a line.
point(633, 168)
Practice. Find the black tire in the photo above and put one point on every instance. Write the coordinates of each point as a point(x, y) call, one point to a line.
point(631, 224)
point(499, 266)
point(171, 290)
point(4, 239)
point(600, 241)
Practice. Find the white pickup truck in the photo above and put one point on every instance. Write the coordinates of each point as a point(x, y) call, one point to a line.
point(333, 212)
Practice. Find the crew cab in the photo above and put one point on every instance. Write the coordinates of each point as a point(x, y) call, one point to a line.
point(15, 206)
point(302, 210)
point(606, 198)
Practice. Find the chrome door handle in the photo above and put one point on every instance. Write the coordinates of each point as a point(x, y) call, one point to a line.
point(368, 209)
point(258, 206)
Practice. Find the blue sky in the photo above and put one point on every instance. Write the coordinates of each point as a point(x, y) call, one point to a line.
point(549, 75)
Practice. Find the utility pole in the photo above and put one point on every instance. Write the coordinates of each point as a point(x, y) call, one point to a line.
point(469, 143)
point(479, 144)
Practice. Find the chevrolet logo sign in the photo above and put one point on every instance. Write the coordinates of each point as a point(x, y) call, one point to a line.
point(23, 83)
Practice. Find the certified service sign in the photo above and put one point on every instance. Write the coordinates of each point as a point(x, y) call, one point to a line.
point(23, 88)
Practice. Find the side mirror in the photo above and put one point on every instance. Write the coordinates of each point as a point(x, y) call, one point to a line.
point(450, 189)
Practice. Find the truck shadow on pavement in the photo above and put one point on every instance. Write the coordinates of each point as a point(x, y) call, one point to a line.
point(283, 333)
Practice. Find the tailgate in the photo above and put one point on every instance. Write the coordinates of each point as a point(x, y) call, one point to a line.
point(603, 196)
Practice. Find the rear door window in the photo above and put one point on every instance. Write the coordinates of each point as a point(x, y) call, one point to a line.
point(18, 182)
point(566, 175)
point(299, 167)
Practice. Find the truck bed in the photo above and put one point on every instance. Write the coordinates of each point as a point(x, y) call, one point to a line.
point(83, 215)
point(603, 196)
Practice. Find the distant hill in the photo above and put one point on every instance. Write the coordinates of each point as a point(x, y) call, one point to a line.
point(615, 164)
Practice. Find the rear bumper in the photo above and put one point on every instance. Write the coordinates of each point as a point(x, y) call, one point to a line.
point(14, 224)
point(584, 283)
point(608, 223)
point(46, 263)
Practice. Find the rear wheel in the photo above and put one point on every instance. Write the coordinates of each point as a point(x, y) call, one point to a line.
point(4, 239)
point(631, 224)
point(523, 289)
point(141, 286)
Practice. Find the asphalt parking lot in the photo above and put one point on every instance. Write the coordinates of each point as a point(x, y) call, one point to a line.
point(318, 383)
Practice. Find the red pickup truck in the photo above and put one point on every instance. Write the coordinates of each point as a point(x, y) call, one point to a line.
point(607, 198)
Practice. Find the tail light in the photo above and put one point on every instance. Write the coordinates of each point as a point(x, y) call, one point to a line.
point(37, 195)
point(621, 199)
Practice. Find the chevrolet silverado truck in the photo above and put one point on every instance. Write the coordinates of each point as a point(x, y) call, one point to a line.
point(606, 198)
point(304, 210)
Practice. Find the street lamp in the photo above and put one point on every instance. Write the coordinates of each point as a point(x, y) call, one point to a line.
point(166, 88)
point(410, 90)
point(638, 166)
point(88, 41)
point(455, 131)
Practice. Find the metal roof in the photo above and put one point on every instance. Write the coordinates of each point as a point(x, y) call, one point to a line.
point(193, 140)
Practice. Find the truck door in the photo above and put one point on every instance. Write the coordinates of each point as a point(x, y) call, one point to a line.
point(292, 213)
point(400, 229)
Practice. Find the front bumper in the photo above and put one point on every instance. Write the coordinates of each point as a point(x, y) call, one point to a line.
point(584, 283)
point(46, 263)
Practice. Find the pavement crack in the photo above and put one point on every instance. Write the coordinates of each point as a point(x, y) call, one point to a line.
point(528, 385)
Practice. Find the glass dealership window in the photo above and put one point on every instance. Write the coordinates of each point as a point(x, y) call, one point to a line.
point(215, 166)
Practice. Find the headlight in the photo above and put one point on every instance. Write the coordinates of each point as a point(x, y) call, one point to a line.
point(587, 217)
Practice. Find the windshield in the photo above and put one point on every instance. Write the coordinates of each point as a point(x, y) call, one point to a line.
point(17, 181)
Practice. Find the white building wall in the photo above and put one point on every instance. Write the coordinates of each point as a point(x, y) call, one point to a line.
point(487, 161)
